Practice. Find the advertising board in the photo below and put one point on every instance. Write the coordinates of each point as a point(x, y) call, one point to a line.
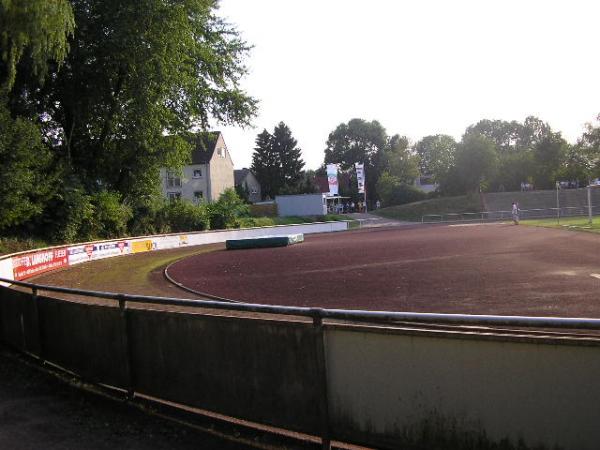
point(89, 252)
point(35, 263)
point(145, 245)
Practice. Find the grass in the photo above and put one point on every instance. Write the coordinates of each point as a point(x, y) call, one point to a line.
point(442, 205)
point(14, 245)
point(291, 220)
point(567, 223)
point(134, 274)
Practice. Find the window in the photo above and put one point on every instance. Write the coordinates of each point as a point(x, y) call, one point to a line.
point(173, 179)
point(197, 173)
point(174, 196)
point(198, 197)
point(221, 152)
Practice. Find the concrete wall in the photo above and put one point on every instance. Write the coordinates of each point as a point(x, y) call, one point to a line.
point(393, 389)
point(502, 201)
point(301, 205)
point(388, 388)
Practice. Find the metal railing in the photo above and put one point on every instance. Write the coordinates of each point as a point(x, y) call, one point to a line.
point(323, 313)
point(524, 214)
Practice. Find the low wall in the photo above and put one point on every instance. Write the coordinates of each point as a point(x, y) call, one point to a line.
point(377, 386)
point(24, 265)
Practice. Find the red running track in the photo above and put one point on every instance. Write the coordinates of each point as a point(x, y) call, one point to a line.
point(478, 269)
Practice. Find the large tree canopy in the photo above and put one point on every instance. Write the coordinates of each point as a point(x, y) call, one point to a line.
point(137, 70)
point(37, 29)
point(436, 154)
point(359, 141)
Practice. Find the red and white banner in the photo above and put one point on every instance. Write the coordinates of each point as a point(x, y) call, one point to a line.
point(332, 179)
point(35, 263)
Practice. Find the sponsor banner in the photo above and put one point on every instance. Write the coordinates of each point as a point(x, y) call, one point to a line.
point(360, 177)
point(88, 252)
point(35, 263)
point(147, 245)
point(332, 179)
point(165, 242)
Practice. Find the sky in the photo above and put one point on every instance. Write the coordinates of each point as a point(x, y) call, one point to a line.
point(419, 67)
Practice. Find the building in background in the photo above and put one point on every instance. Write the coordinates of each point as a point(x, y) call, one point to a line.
point(246, 180)
point(207, 176)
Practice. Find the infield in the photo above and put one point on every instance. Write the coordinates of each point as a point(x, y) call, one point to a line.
point(488, 269)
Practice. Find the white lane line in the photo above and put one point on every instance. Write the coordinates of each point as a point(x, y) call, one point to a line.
point(595, 275)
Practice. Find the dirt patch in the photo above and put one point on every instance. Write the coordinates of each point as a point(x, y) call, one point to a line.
point(485, 269)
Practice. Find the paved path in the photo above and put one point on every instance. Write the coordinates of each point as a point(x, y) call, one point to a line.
point(38, 410)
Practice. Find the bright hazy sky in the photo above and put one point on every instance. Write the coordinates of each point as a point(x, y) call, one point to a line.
point(419, 67)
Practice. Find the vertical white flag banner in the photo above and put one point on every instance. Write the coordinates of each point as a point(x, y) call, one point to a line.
point(360, 177)
point(332, 179)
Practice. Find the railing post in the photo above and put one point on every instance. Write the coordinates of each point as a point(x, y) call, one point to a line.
point(38, 324)
point(322, 378)
point(129, 374)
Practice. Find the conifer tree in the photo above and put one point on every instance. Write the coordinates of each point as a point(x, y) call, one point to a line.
point(289, 155)
point(265, 165)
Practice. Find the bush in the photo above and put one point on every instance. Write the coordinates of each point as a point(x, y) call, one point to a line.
point(73, 216)
point(184, 216)
point(226, 212)
point(400, 193)
point(77, 216)
point(110, 215)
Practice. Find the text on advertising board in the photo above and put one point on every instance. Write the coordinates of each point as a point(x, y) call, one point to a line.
point(30, 264)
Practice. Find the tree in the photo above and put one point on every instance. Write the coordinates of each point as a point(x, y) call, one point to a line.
point(138, 70)
point(25, 177)
point(436, 155)
point(277, 162)
point(476, 161)
point(265, 165)
point(36, 28)
point(359, 141)
point(549, 154)
point(400, 161)
point(288, 155)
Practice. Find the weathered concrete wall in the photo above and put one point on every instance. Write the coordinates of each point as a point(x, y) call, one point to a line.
point(389, 388)
point(393, 389)
point(257, 370)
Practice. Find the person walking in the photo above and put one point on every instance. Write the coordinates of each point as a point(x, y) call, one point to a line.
point(515, 213)
point(377, 204)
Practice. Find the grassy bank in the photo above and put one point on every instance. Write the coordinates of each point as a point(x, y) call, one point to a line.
point(568, 223)
point(442, 205)
point(271, 221)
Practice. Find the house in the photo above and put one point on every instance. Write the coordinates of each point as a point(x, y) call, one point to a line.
point(207, 176)
point(247, 180)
